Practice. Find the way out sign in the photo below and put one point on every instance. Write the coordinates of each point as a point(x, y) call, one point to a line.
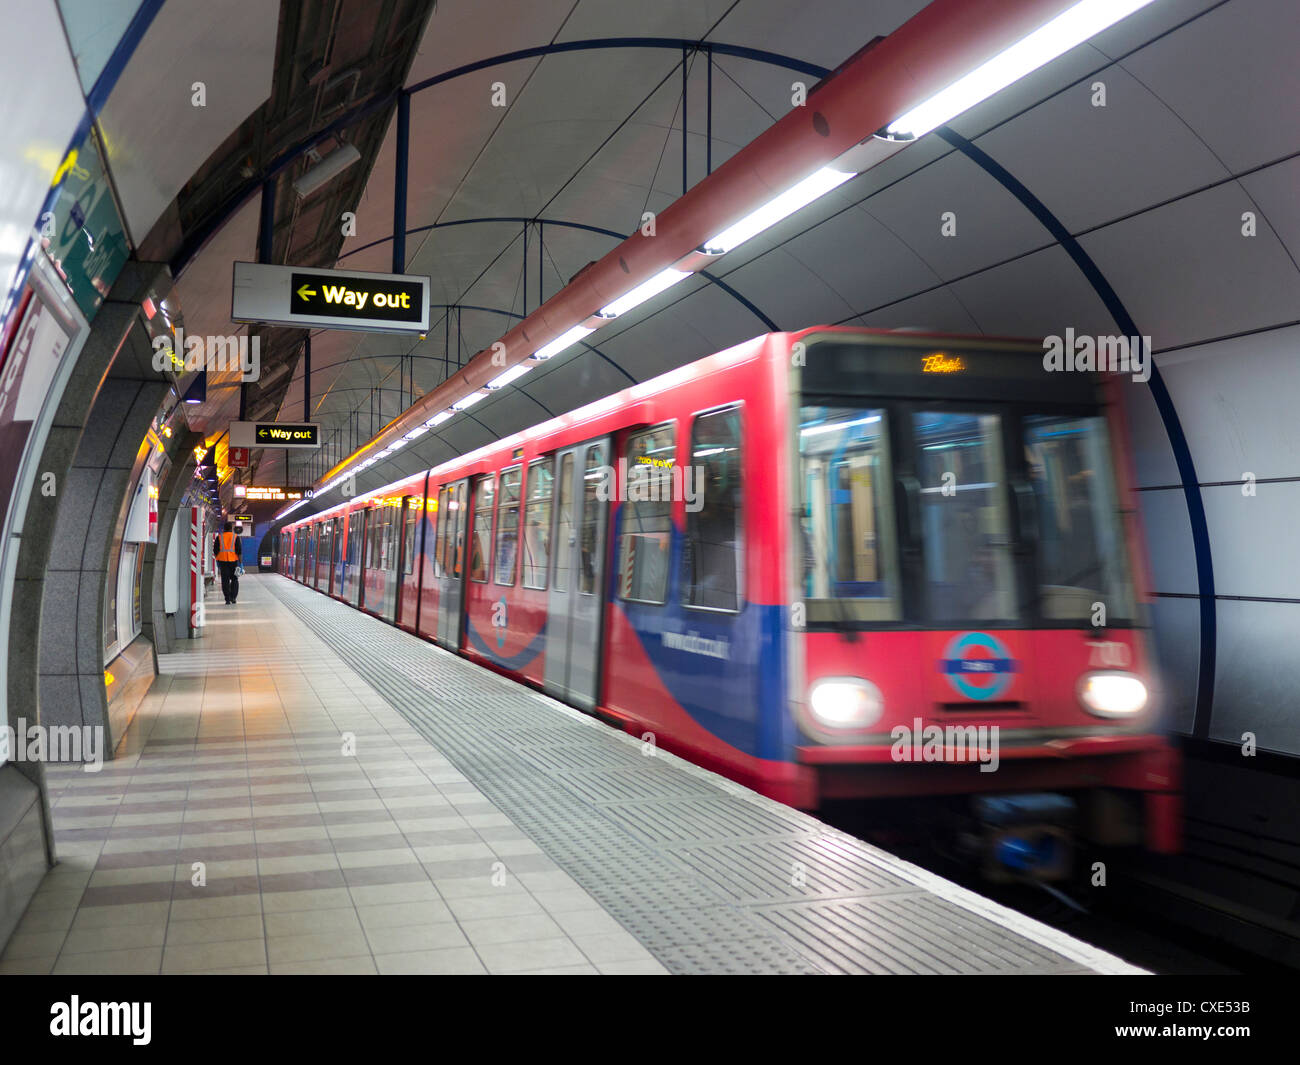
point(333, 299)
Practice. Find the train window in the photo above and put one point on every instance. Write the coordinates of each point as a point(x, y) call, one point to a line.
point(507, 526)
point(846, 523)
point(537, 523)
point(969, 569)
point(1080, 546)
point(645, 543)
point(564, 526)
point(480, 556)
point(591, 481)
point(711, 556)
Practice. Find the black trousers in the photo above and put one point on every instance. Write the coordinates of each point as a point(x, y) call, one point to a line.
point(229, 580)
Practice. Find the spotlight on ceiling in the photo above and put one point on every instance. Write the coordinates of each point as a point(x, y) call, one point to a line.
point(198, 390)
point(326, 170)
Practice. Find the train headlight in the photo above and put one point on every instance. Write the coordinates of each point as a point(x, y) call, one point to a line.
point(846, 702)
point(1112, 694)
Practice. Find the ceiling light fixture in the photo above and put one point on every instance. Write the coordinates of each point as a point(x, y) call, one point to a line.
point(326, 170)
point(793, 199)
point(647, 290)
point(564, 340)
point(1070, 28)
point(512, 374)
point(468, 401)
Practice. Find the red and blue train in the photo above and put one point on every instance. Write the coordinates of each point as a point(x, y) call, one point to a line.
point(830, 564)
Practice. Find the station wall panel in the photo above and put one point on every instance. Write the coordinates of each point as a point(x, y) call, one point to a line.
point(1257, 675)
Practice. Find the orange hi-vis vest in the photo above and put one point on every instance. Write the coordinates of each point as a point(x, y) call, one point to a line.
point(227, 552)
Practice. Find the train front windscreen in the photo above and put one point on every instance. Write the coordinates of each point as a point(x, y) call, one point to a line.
point(955, 488)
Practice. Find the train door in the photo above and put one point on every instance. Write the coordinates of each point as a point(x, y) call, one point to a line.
point(449, 561)
point(336, 547)
point(357, 522)
point(576, 596)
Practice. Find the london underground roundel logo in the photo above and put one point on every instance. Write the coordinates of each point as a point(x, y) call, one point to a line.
point(978, 665)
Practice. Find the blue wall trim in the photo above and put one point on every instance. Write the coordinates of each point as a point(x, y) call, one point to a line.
point(108, 77)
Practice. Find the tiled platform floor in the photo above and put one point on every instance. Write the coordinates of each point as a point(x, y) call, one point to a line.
point(310, 790)
point(316, 861)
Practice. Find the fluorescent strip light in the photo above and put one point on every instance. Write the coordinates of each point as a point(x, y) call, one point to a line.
point(561, 342)
point(396, 444)
point(512, 374)
point(809, 189)
point(468, 401)
point(663, 280)
point(419, 430)
point(438, 419)
point(1069, 29)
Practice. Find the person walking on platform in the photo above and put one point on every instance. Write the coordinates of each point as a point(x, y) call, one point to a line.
point(227, 548)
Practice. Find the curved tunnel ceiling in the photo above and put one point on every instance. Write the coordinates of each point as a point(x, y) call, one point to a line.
point(1169, 204)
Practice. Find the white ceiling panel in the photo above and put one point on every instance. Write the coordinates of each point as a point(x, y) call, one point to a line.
point(937, 311)
point(1039, 295)
point(990, 224)
point(1232, 76)
point(156, 137)
point(1091, 165)
point(1274, 190)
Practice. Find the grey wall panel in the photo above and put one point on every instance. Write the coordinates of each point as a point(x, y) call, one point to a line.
point(1042, 294)
point(937, 311)
point(857, 258)
point(1258, 675)
point(1274, 190)
point(1187, 274)
point(1224, 75)
point(991, 225)
point(60, 699)
point(1153, 457)
point(1176, 628)
point(1169, 540)
point(1254, 540)
point(1237, 403)
point(1137, 151)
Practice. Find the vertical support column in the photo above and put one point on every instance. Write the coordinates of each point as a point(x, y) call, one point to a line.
point(541, 263)
point(525, 269)
point(266, 236)
point(708, 108)
point(685, 75)
point(196, 571)
point(399, 181)
point(306, 379)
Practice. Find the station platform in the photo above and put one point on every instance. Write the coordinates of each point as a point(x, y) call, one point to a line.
point(362, 801)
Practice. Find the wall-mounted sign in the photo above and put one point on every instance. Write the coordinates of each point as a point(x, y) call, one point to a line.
point(237, 456)
point(283, 434)
point(242, 517)
point(84, 235)
point(368, 303)
point(259, 493)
